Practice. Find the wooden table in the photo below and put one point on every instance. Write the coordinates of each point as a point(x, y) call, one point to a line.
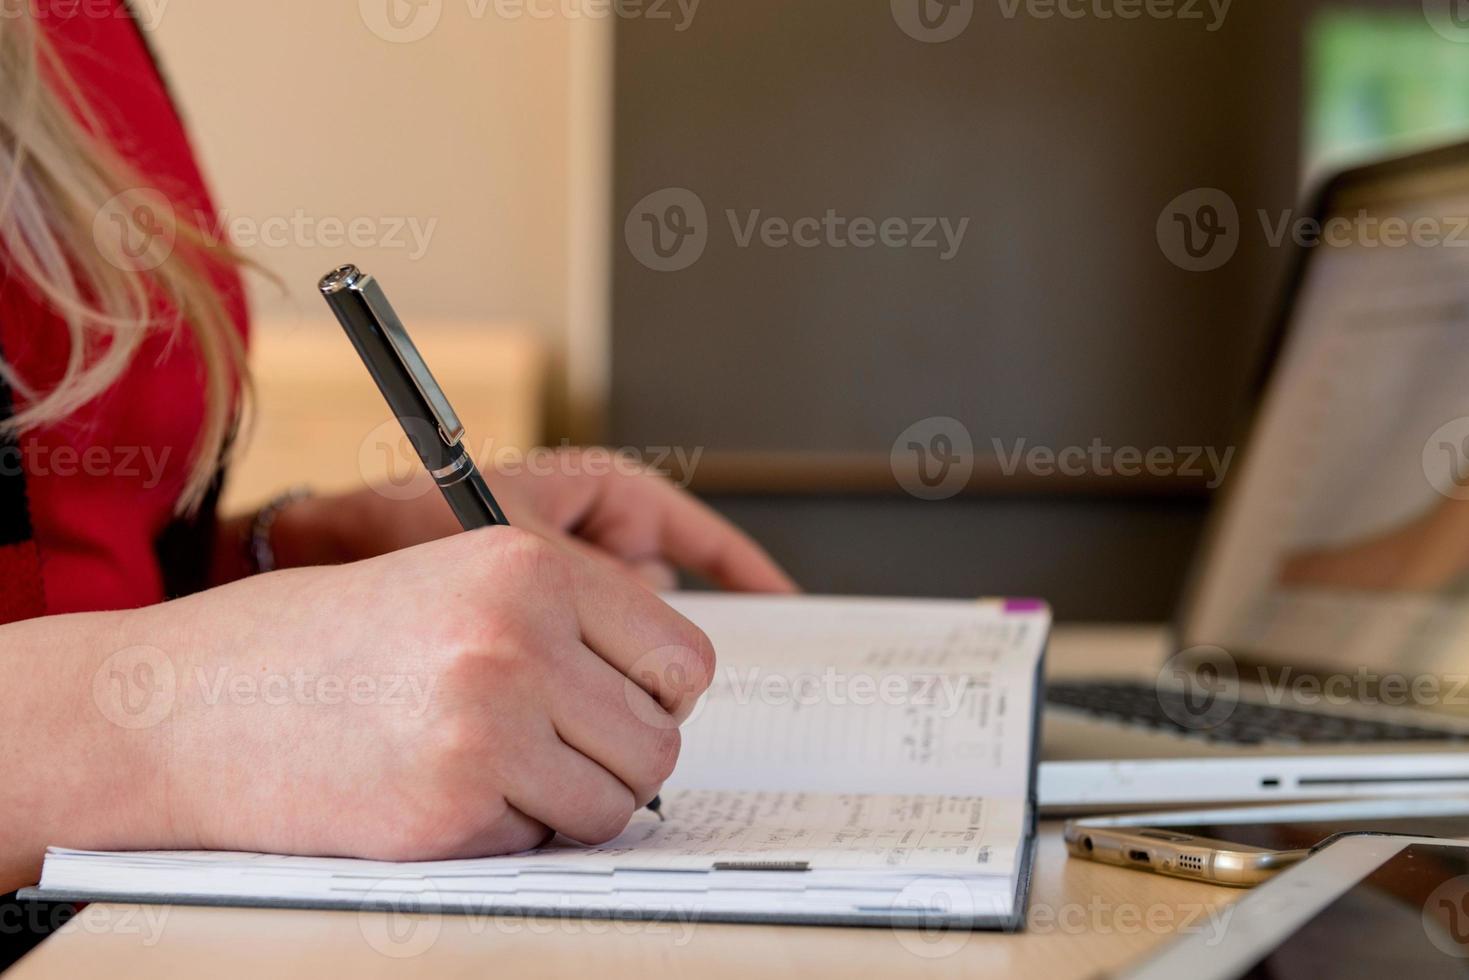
point(1084, 919)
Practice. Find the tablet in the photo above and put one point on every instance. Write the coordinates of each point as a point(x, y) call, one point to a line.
point(1364, 905)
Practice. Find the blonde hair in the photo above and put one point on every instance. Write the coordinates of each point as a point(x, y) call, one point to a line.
point(59, 182)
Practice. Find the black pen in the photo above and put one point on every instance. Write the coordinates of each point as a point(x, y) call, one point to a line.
point(427, 418)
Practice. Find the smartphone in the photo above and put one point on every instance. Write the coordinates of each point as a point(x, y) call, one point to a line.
point(1178, 854)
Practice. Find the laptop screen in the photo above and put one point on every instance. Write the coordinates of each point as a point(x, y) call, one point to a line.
point(1343, 542)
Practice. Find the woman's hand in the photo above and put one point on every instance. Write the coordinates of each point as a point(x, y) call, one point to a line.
point(456, 699)
point(616, 512)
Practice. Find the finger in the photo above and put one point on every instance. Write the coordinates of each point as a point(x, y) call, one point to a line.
point(654, 573)
point(642, 636)
point(571, 794)
point(572, 543)
point(657, 575)
point(693, 536)
point(615, 723)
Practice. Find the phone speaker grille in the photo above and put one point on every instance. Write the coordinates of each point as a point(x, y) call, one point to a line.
point(1191, 862)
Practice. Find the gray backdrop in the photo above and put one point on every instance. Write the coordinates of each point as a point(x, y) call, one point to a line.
point(1059, 321)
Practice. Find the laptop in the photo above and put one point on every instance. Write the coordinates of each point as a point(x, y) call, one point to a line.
point(1322, 649)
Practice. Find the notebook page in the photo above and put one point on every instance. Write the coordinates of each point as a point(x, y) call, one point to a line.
point(864, 838)
point(829, 832)
point(864, 696)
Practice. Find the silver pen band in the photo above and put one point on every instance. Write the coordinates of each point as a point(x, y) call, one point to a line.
point(449, 475)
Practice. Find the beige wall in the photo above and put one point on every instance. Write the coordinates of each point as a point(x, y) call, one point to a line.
point(488, 136)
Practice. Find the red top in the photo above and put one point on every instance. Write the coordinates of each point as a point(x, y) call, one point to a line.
point(103, 483)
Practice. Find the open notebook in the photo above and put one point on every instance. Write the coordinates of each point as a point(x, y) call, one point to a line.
point(857, 761)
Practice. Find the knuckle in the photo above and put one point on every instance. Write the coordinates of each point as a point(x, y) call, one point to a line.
point(607, 817)
point(509, 665)
point(488, 624)
point(701, 659)
point(514, 554)
point(685, 667)
point(456, 738)
point(498, 663)
point(514, 835)
point(529, 556)
point(663, 758)
point(458, 755)
point(512, 539)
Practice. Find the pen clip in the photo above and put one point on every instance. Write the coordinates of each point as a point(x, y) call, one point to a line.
point(353, 279)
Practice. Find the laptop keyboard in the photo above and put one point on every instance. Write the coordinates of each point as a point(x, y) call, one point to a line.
point(1248, 723)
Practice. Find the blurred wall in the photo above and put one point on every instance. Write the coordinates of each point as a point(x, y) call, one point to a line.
point(1059, 321)
point(469, 147)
